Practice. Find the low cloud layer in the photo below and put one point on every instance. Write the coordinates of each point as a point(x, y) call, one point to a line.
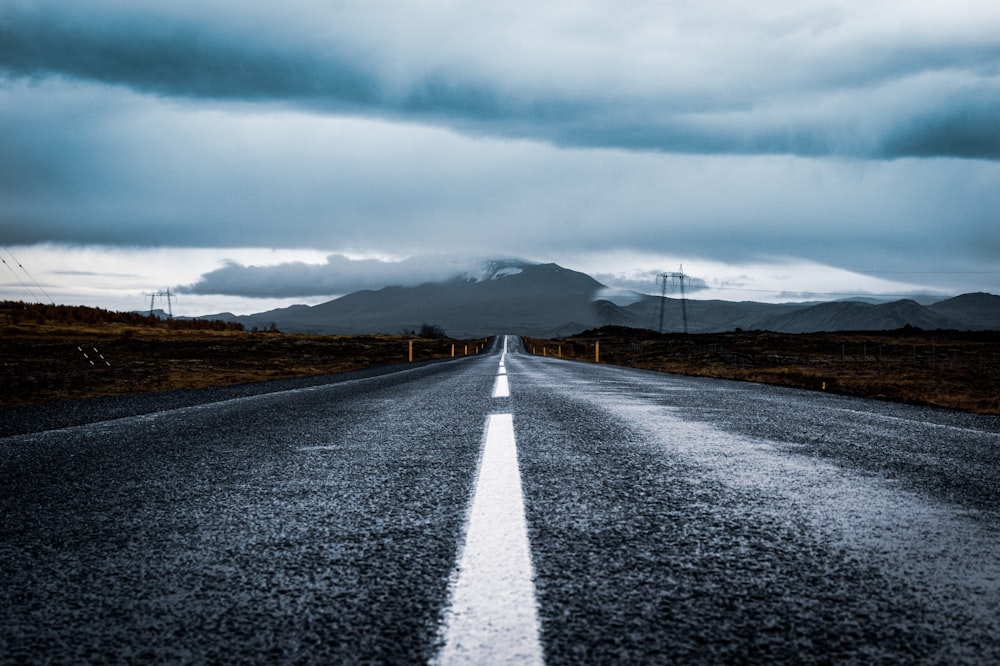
point(337, 276)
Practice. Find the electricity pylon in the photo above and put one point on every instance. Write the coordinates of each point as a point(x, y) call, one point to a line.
point(161, 294)
point(680, 277)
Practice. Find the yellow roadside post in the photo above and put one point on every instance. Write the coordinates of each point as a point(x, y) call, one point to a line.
point(597, 352)
point(453, 351)
point(411, 351)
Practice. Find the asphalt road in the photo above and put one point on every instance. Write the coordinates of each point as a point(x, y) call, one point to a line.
point(669, 520)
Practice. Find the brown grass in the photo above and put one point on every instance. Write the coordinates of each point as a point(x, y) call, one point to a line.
point(46, 358)
point(951, 369)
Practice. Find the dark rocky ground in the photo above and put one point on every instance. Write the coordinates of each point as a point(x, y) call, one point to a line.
point(952, 369)
point(70, 353)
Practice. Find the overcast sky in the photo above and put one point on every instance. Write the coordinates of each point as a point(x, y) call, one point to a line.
point(248, 155)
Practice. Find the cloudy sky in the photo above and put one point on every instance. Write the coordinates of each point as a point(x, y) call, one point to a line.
point(248, 155)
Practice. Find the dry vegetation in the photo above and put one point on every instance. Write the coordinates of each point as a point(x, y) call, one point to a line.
point(956, 370)
point(63, 352)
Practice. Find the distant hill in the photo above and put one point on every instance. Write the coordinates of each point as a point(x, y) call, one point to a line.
point(547, 300)
point(855, 316)
point(710, 316)
point(975, 312)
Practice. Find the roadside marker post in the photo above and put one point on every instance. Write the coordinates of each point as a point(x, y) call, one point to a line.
point(411, 351)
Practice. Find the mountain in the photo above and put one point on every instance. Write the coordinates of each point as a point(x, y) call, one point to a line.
point(709, 316)
point(547, 300)
point(857, 316)
point(974, 312)
point(977, 311)
point(511, 297)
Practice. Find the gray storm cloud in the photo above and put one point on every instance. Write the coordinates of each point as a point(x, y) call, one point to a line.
point(804, 82)
point(853, 134)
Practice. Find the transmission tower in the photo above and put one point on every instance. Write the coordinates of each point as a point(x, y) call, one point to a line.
point(674, 278)
point(161, 294)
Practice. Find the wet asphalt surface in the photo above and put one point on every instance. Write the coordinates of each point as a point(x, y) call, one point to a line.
point(313, 526)
point(672, 520)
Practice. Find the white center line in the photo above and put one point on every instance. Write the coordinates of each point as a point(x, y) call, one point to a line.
point(493, 618)
point(502, 387)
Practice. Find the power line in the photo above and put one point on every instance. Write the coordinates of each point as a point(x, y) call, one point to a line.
point(861, 271)
point(23, 283)
point(25, 271)
point(859, 294)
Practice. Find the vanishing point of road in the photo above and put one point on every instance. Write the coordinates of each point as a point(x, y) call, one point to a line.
point(501, 508)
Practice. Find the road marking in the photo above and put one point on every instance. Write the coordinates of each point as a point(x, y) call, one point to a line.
point(943, 426)
point(502, 387)
point(493, 618)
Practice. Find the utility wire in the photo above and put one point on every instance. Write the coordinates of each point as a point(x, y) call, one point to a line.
point(30, 276)
point(791, 293)
point(23, 283)
point(867, 272)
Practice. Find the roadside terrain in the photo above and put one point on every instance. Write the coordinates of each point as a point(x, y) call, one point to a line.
point(951, 369)
point(61, 352)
